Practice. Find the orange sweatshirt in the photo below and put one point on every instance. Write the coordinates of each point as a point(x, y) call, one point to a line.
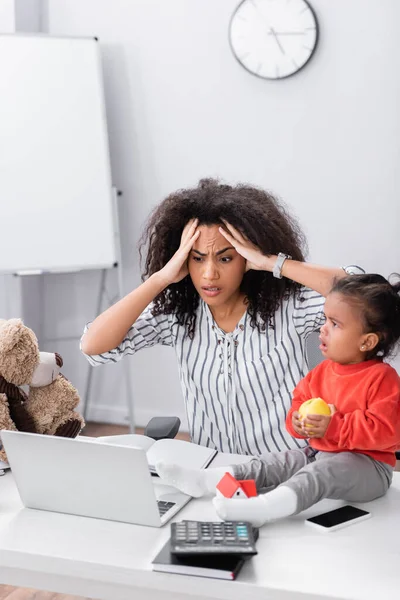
point(367, 399)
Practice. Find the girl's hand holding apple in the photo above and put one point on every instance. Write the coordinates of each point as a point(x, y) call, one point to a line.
point(315, 415)
point(315, 426)
point(297, 424)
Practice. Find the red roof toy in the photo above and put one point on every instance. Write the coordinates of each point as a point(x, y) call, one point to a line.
point(230, 487)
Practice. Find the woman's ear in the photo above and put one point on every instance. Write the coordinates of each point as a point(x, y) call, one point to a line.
point(369, 341)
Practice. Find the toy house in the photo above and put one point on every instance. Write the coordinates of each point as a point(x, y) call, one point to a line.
point(229, 487)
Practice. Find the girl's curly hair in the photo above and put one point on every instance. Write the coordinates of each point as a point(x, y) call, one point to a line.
point(260, 217)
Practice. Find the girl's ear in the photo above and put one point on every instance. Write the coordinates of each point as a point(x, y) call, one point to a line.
point(370, 340)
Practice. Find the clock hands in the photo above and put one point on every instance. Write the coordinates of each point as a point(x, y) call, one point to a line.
point(286, 32)
point(272, 31)
point(277, 33)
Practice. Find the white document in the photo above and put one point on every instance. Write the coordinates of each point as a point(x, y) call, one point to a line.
point(179, 452)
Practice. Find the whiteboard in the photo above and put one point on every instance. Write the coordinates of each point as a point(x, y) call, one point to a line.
point(57, 202)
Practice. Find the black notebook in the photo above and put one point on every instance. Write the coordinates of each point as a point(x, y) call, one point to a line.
point(220, 566)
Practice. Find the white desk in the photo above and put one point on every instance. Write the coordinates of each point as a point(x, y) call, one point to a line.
point(112, 561)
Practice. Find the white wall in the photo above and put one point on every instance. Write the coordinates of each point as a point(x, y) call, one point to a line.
point(180, 107)
point(28, 15)
point(15, 16)
point(7, 16)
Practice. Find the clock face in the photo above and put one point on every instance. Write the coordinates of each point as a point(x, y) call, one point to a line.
point(273, 38)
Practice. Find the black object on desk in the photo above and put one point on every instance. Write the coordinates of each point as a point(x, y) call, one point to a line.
point(216, 549)
point(160, 428)
point(221, 566)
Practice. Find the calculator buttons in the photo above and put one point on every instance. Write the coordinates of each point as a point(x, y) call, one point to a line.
point(206, 537)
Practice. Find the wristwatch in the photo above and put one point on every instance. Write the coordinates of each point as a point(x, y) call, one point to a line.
point(276, 271)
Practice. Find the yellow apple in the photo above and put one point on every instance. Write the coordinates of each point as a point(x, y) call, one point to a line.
point(314, 406)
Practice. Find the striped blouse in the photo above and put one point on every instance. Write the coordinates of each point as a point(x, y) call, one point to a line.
point(236, 386)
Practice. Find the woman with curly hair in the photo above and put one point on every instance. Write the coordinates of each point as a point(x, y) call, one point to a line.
point(237, 311)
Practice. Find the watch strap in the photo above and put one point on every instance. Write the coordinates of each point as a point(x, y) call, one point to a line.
point(277, 270)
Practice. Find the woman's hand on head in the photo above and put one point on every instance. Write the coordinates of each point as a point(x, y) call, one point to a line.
point(255, 259)
point(176, 268)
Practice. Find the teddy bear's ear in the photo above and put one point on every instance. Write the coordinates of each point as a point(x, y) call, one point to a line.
point(19, 351)
point(10, 333)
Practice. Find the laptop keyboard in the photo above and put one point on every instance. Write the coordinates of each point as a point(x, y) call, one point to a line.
point(163, 507)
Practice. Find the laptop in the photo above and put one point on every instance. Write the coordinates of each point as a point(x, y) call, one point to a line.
point(89, 478)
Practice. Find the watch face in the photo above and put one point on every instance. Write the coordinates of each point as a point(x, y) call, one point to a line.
point(273, 39)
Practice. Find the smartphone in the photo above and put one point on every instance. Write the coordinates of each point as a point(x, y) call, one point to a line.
point(338, 518)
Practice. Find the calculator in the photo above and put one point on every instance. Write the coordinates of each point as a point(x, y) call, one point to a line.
point(213, 537)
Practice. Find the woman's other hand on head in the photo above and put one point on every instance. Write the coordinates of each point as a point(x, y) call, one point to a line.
point(176, 268)
point(255, 259)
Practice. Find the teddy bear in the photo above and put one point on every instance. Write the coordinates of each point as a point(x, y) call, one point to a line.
point(48, 405)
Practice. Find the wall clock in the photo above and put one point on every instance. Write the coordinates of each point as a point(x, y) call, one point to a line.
point(273, 39)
